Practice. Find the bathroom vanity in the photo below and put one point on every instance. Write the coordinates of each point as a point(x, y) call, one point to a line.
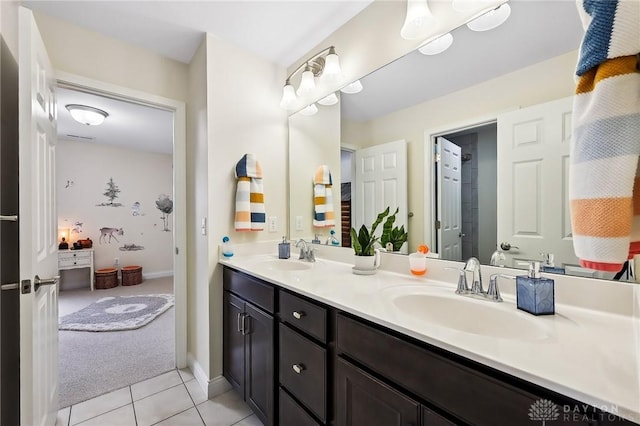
point(301, 354)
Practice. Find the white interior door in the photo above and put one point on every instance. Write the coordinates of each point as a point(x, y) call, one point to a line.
point(533, 170)
point(37, 216)
point(380, 181)
point(449, 183)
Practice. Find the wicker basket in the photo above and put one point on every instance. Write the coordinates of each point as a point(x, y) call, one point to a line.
point(106, 278)
point(131, 275)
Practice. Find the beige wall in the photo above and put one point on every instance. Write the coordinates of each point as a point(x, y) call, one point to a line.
point(312, 142)
point(75, 50)
point(141, 177)
point(545, 81)
point(243, 96)
point(9, 25)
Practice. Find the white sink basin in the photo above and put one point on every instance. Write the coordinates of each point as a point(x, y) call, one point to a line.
point(286, 265)
point(471, 316)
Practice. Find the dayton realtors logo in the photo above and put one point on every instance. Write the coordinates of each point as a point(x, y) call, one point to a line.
point(544, 410)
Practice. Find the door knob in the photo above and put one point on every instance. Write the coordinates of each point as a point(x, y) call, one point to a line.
point(507, 246)
point(37, 282)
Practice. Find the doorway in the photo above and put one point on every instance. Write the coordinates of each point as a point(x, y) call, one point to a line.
point(478, 194)
point(142, 212)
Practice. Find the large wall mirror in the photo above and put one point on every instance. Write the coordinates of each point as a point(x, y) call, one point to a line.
point(468, 96)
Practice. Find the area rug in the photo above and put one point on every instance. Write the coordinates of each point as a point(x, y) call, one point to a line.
point(117, 313)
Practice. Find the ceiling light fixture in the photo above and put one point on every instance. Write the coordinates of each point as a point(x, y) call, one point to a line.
point(437, 45)
point(419, 20)
point(324, 64)
point(492, 19)
point(87, 115)
point(352, 88)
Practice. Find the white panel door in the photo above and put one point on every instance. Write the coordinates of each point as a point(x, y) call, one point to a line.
point(381, 181)
point(38, 223)
point(533, 170)
point(449, 181)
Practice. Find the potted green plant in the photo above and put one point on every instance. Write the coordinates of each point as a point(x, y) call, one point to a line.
point(392, 234)
point(367, 257)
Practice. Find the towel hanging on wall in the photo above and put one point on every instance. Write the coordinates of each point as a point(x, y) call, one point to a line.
point(250, 214)
point(604, 185)
point(323, 216)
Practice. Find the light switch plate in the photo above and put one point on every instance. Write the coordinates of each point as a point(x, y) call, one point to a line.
point(298, 223)
point(273, 223)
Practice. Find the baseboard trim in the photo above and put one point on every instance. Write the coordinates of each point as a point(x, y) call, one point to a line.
point(212, 387)
point(159, 274)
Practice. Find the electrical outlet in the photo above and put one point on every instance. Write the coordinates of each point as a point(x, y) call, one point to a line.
point(116, 261)
point(298, 223)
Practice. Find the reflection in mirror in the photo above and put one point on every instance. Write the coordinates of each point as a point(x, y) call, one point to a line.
point(471, 88)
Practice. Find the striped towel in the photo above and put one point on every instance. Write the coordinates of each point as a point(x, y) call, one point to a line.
point(250, 214)
point(323, 216)
point(604, 185)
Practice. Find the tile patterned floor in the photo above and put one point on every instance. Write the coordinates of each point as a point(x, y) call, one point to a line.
point(171, 399)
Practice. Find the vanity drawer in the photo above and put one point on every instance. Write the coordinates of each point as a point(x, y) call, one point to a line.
point(303, 370)
point(445, 383)
point(304, 315)
point(291, 413)
point(249, 288)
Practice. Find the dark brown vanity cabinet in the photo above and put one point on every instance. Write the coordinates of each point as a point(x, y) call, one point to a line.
point(303, 365)
point(248, 352)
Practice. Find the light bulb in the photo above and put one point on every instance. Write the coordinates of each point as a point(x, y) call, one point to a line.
point(332, 99)
point(438, 45)
point(490, 20)
point(418, 21)
point(352, 88)
point(288, 96)
point(310, 110)
point(307, 83)
point(332, 71)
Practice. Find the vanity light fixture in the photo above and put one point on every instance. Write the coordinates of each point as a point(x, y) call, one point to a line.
point(419, 20)
point(332, 99)
point(437, 45)
point(324, 64)
point(492, 19)
point(309, 110)
point(87, 115)
point(352, 88)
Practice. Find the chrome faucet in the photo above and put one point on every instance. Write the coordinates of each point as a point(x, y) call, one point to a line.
point(473, 265)
point(306, 251)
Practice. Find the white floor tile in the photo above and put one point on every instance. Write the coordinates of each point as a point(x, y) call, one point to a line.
point(186, 418)
point(120, 417)
point(252, 420)
point(62, 419)
point(224, 410)
point(100, 405)
point(162, 405)
point(186, 374)
point(196, 392)
point(155, 384)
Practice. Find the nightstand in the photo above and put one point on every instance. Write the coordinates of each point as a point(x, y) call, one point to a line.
point(74, 259)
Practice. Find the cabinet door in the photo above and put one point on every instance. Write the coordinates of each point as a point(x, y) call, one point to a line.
point(233, 341)
point(259, 391)
point(364, 400)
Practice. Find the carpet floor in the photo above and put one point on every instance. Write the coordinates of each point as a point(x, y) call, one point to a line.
point(94, 363)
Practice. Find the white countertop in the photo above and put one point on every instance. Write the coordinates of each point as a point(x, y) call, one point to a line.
point(583, 352)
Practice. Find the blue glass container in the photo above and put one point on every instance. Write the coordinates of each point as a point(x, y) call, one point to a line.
point(534, 293)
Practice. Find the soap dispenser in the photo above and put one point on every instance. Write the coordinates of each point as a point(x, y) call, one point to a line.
point(227, 248)
point(284, 249)
point(535, 293)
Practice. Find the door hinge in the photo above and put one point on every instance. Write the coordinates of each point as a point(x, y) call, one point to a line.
point(437, 157)
point(177, 251)
point(438, 224)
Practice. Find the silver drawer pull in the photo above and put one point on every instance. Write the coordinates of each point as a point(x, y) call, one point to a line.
point(298, 368)
point(298, 314)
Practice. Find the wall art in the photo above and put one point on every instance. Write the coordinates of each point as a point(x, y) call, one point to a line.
point(165, 205)
point(111, 233)
point(111, 193)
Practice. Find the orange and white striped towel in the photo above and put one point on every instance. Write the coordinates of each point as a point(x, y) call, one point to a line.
point(250, 213)
point(323, 216)
point(604, 188)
